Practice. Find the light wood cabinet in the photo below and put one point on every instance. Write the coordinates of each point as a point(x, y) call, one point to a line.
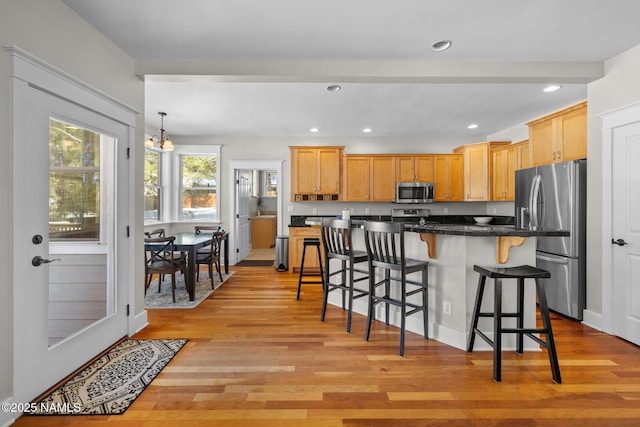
point(559, 137)
point(448, 177)
point(316, 173)
point(477, 169)
point(506, 161)
point(414, 168)
point(263, 231)
point(369, 178)
point(296, 241)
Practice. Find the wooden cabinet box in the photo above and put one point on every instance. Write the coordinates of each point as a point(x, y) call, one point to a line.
point(263, 231)
point(559, 137)
point(477, 169)
point(448, 177)
point(414, 168)
point(506, 161)
point(316, 173)
point(296, 240)
point(369, 178)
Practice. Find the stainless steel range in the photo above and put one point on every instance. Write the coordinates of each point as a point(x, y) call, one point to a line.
point(411, 216)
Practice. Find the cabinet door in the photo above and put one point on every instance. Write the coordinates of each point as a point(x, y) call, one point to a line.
point(499, 180)
point(441, 179)
point(328, 170)
point(456, 178)
point(424, 168)
point(296, 242)
point(572, 131)
point(382, 185)
point(476, 172)
point(405, 169)
point(523, 156)
point(541, 141)
point(304, 172)
point(356, 178)
point(511, 163)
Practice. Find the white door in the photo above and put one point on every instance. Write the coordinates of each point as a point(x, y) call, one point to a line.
point(70, 252)
point(243, 222)
point(626, 232)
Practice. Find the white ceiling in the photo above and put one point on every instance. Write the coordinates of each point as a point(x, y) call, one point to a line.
point(261, 67)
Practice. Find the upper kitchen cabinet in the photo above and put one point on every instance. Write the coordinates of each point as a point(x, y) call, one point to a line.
point(414, 168)
point(316, 173)
point(560, 136)
point(505, 161)
point(369, 178)
point(477, 169)
point(448, 177)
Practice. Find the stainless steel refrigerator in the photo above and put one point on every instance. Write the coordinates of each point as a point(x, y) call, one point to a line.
point(554, 197)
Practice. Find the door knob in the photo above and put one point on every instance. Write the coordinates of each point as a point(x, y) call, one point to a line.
point(38, 260)
point(619, 242)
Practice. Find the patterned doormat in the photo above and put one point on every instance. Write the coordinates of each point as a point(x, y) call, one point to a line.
point(112, 382)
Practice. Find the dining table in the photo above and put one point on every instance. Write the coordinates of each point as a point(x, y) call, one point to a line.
point(190, 242)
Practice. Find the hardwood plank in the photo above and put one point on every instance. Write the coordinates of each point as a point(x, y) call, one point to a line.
point(258, 357)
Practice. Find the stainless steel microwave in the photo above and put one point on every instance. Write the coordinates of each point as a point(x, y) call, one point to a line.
point(414, 192)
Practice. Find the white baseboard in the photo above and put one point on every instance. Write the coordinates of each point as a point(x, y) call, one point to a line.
point(7, 418)
point(591, 319)
point(138, 323)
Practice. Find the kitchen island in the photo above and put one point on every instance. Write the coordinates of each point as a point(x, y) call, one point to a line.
point(452, 250)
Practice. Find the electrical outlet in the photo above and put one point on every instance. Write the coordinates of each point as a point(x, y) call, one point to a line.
point(366, 211)
point(446, 210)
point(290, 208)
point(495, 211)
point(447, 309)
point(315, 211)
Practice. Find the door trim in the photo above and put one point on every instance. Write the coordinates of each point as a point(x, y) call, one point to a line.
point(610, 121)
point(255, 165)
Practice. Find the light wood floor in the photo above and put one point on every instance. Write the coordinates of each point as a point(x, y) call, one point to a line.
point(257, 357)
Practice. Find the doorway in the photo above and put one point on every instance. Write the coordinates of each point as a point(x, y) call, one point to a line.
point(70, 192)
point(245, 194)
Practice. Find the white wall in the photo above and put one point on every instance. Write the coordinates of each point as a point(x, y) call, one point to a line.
point(618, 88)
point(52, 32)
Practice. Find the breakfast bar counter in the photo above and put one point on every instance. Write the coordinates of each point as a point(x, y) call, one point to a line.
point(452, 250)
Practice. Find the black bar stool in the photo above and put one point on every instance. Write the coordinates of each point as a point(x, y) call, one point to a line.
point(520, 273)
point(315, 242)
point(385, 250)
point(338, 245)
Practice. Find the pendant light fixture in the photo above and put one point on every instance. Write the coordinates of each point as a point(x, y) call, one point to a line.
point(163, 143)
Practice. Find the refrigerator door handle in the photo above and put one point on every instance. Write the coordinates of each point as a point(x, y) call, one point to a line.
point(533, 200)
point(560, 260)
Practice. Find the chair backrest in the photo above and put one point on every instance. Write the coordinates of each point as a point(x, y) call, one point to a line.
point(158, 232)
point(336, 237)
point(212, 228)
point(384, 242)
point(215, 244)
point(159, 249)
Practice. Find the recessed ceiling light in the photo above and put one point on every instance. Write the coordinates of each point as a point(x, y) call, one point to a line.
point(314, 130)
point(366, 130)
point(551, 88)
point(441, 45)
point(472, 126)
point(334, 88)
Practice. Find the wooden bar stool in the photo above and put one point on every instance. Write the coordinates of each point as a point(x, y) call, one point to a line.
point(385, 250)
point(338, 245)
point(520, 273)
point(313, 242)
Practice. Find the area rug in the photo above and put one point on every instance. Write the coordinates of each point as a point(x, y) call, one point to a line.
point(112, 382)
point(163, 299)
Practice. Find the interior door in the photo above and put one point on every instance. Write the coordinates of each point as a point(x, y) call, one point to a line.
point(243, 223)
point(69, 250)
point(626, 232)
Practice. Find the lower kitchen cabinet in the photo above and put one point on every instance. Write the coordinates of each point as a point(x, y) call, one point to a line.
point(263, 232)
point(296, 240)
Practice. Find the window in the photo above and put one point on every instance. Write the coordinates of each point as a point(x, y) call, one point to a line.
point(198, 178)
point(270, 184)
point(152, 186)
point(74, 182)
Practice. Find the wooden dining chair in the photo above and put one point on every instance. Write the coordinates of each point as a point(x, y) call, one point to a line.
point(160, 260)
point(210, 258)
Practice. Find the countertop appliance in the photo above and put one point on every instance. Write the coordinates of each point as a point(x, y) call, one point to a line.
point(414, 192)
point(554, 197)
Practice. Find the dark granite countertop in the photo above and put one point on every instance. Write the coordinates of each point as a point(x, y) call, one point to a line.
point(454, 229)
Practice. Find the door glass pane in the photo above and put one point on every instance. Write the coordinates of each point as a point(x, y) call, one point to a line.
point(74, 182)
point(81, 290)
